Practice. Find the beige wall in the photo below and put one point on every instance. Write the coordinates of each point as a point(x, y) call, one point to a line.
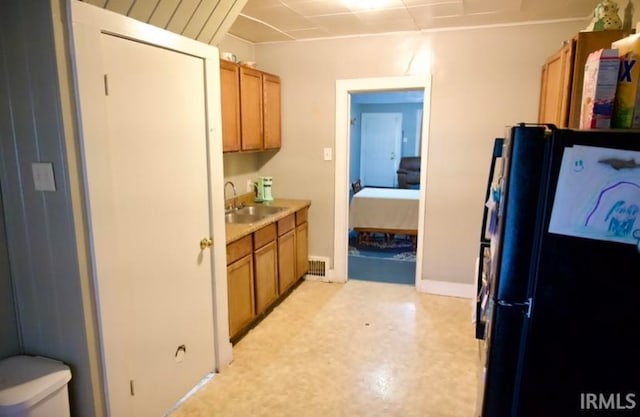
point(243, 50)
point(482, 80)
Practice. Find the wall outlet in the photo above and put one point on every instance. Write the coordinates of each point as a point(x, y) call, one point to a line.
point(250, 185)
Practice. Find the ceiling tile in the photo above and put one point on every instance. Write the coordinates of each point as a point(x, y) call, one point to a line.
point(484, 6)
point(316, 7)
point(379, 16)
point(411, 3)
point(550, 9)
point(282, 17)
point(309, 33)
point(392, 26)
point(478, 19)
point(364, 5)
point(424, 15)
point(339, 24)
point(254, 31)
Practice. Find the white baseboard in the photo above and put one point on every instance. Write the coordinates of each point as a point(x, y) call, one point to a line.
point(450, 289)
point(329, 277)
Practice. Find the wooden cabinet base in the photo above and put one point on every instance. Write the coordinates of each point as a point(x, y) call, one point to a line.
point(240, 294)
point(240, 334)
point(263, 268)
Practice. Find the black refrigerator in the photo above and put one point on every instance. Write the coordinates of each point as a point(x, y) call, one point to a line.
point(562, 305)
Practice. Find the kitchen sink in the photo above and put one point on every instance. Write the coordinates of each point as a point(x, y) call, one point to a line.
point(250, 214)
point(235, 217)
point(260, 210)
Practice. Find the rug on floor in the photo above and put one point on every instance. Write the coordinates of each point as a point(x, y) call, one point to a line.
point(381, 270)
point(381, 259)
point(400, 248)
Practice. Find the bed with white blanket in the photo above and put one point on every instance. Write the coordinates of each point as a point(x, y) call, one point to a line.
point(385, 210)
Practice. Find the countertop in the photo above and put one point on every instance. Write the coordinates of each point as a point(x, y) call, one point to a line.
point(236, 231)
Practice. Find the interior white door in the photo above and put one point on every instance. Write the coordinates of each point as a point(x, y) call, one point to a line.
point(160, 212)
point(380, 148)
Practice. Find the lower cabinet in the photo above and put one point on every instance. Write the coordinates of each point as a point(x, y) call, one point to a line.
point(240, 285)
point(287, 260)
point(265, 258)
point(263, 266)
point(286, 251)
point(266, 264)
point(302, 243)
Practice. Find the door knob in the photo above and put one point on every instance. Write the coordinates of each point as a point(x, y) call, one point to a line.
point(206, 243)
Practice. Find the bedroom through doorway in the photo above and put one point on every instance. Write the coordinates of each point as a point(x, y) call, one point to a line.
point(384, 172)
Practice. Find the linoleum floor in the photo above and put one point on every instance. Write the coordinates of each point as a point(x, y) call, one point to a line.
point(356, 349)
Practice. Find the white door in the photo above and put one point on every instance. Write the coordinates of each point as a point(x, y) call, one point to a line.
point(160, 212)
point(380, 149)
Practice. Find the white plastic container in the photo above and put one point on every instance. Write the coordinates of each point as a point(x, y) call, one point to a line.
point(33, 386)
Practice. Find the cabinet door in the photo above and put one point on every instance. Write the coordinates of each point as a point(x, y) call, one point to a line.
point(302, 249)
point(555, 88)
point(271, 111)
point(266, 282)
point(251, 108)
point(287, 261)
point(240, 294)
point(230, 101)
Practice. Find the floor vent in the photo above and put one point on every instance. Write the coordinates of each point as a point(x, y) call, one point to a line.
point(318, 266)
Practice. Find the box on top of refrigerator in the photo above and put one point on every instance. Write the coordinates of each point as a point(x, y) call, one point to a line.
point(599, 89)
point(627, 108)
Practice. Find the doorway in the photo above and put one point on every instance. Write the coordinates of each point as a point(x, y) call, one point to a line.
point(383, 133)
point(345, 89)
point(380, 148)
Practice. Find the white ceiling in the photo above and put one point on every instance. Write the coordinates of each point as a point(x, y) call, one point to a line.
point(283, 20)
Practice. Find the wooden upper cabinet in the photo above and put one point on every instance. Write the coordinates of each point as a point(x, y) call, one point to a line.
point(250, 99)
point(271, 111)
point(251, 108)
point(563, 75)
point(556, 83)
point(230, 103)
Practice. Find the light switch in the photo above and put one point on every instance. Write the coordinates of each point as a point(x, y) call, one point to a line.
point(328, 154)
point(43, 179)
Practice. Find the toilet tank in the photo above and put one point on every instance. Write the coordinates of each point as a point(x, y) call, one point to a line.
point(33, 386)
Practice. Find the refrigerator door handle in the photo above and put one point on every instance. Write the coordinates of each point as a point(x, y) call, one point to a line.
point(524, 305)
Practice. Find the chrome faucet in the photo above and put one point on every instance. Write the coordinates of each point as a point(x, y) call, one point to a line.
point(234, 204)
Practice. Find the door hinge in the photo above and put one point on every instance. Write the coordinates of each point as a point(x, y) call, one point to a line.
point(131, 388)
point(106, 85)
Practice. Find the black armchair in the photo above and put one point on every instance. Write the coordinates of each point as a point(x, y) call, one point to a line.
point(409, 172)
